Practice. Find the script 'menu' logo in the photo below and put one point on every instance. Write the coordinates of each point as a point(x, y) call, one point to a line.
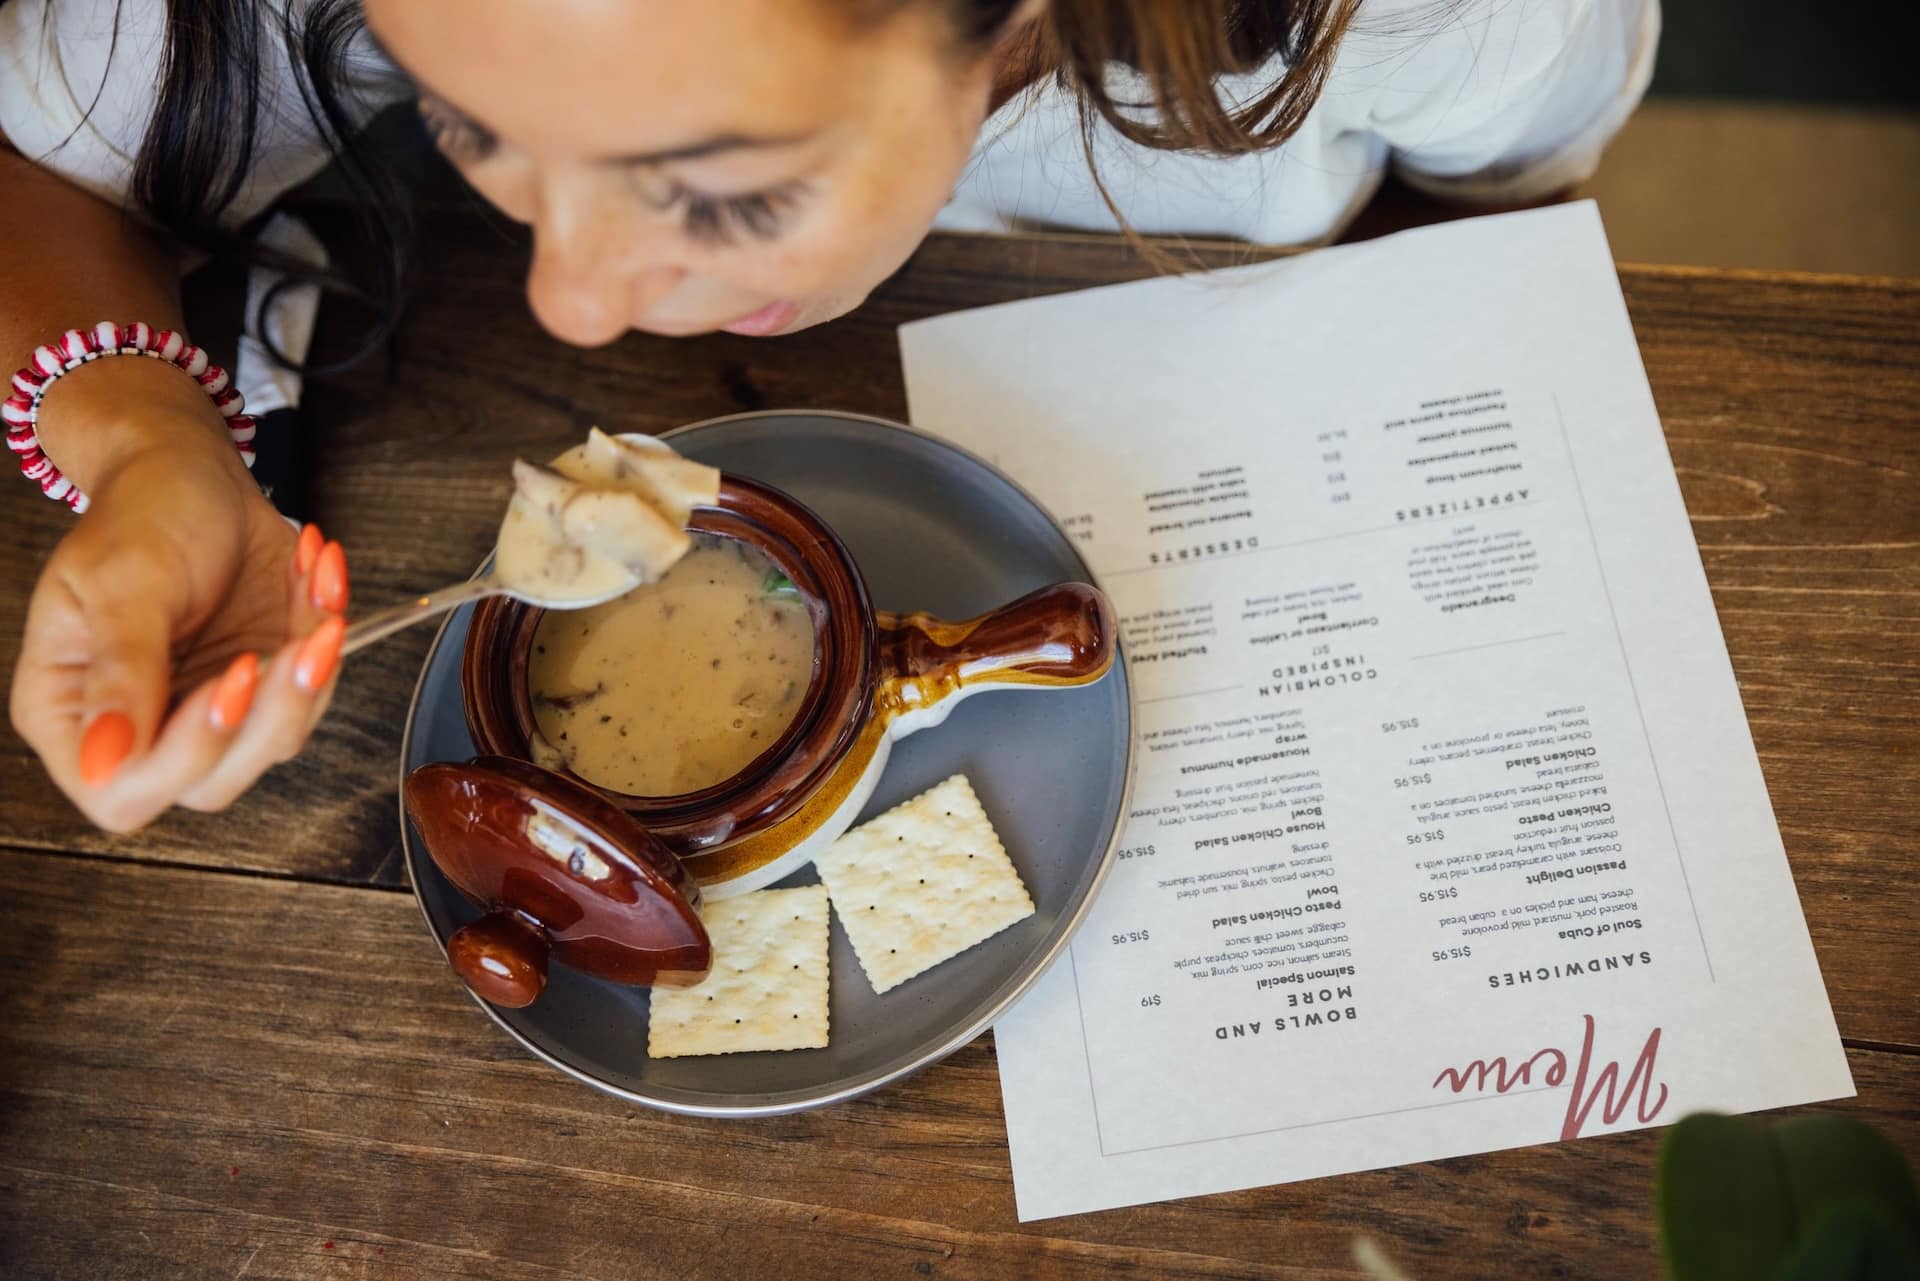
point(1606, 1089)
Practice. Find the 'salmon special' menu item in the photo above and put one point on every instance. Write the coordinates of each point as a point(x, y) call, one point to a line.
point(1448, 833)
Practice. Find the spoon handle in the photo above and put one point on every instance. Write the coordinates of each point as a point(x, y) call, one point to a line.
point(385, 623)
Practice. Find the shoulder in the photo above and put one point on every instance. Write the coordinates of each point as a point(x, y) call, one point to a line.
point(1495, 100)
point(71, 84)
point(80, 81)
point(1450, 63)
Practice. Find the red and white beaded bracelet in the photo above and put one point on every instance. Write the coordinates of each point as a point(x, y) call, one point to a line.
point(77, 347)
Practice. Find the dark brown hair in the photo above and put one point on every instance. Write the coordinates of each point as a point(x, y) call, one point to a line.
point(1182, 48)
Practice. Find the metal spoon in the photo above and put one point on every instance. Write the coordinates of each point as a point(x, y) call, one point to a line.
point(384, 623)
point(618, 539)
point(600, 526)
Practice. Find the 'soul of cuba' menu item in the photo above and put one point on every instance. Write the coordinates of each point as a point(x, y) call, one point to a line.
point(1448, 832)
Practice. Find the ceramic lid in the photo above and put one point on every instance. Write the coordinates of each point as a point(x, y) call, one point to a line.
point(561, 871)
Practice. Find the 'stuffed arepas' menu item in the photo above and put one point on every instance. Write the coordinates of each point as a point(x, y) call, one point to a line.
point(1448, 833)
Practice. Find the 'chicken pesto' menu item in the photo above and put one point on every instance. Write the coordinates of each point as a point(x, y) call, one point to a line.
point(1448, 834)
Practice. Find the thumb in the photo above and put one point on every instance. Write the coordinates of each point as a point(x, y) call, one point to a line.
point(128, 673)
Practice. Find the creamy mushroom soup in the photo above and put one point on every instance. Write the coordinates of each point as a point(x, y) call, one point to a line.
point(680, 683)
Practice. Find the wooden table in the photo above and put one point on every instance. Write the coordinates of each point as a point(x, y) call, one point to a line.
point(229, 1048)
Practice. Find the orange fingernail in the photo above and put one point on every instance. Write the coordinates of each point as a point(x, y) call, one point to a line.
point(319, 654)
point(234, 694)
point(107, 743)
point(307, 550)
point(330, 579)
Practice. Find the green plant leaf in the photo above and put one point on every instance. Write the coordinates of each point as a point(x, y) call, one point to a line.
point(1725, 1210)
point(1832, 1159)
point(1854, 1241)
point(1811, 1198)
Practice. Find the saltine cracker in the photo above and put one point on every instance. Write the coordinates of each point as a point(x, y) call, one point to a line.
point(768, 986)
point(922, 883)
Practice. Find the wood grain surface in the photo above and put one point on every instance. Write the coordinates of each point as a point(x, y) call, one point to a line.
point(227, 1042)
point(206, 1074)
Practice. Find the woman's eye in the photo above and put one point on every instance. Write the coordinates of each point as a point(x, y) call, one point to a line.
point(459, 139)
point(720, 220)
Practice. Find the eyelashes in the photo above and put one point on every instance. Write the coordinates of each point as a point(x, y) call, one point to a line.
point(458, 139)
point(713, 221)
point(722, 220)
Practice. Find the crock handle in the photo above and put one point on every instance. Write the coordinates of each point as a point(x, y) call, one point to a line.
point(503, 958)
point(1059, 636)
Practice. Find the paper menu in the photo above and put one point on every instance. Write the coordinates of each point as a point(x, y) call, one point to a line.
point(1448, 832)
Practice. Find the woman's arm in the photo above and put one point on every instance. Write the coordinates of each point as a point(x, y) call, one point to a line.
point(141, 682)
point(77, 261)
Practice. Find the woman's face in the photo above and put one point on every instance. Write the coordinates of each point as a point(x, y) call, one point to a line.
point(756, 166)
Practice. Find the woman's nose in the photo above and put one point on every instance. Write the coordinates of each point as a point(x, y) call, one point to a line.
point(596, 271)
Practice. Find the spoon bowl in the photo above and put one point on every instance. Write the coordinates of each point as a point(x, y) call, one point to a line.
point(603, 518)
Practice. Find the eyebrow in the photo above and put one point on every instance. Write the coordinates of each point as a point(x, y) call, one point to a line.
point(706, 147)
point(718, 143)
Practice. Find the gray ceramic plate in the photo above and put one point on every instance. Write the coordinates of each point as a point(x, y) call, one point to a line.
point(933, 528)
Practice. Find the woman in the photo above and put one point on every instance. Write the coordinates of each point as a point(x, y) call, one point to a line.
point(755, 166)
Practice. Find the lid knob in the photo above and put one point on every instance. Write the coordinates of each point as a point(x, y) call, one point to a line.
point(558, 872)
point(502, 957)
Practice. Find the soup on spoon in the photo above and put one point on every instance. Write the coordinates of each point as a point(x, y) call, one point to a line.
point(604, 517)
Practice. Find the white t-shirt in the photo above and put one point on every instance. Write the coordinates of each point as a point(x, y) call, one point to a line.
point(76, 96)
point(1489, 101)
point(1485, 100)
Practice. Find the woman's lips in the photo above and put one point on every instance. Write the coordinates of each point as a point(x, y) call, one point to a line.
point(770, 319)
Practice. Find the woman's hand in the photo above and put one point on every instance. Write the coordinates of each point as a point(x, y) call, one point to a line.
point(180, 641)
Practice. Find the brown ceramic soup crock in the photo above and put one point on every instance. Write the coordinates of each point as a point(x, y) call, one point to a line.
point(877, 677)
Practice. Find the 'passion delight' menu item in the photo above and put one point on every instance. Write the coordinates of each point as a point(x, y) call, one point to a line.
point(1448, 833)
